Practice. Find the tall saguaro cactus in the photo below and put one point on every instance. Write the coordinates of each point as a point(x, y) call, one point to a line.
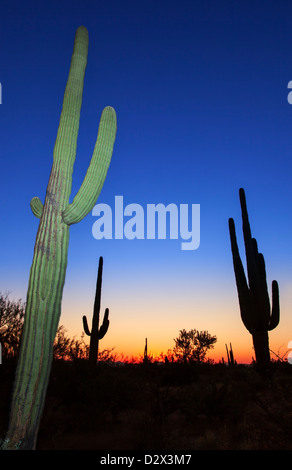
point(47, 275)
point(97, 332)
point(256, 312)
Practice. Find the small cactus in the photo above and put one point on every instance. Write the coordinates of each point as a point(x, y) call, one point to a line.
point(145, 358)
point(230, 356)
point(97, 332)
point(256, 312)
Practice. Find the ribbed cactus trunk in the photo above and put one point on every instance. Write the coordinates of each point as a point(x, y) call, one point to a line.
point(261, 345)
point(47, 275)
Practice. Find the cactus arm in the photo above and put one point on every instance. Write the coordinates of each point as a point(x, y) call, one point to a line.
point(240, 278)
point(105, 324)
point(95, 176)
point(85, 326)
point(36, 207)
point(275, 316)
point(264, 306)
point(249, 242)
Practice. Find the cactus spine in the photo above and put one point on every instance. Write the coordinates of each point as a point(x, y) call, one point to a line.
point(47, 275)
point(96, 333)
point(255, 309)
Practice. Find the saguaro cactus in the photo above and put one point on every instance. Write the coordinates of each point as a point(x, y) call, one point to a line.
point(145, 358)
point(47, 275)
point(256, 312)
point(97, 332)
point(230, 357)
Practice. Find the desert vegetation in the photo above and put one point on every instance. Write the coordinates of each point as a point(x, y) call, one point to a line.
point(176, 401)
point(180, 400)
point(59, 392)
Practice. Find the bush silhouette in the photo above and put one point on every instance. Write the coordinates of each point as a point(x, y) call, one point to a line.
point(66, 348)
point(11, 323)
point(192, 346)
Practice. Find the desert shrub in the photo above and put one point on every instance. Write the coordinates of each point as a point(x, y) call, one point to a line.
point(11, 323)
point(193, 345)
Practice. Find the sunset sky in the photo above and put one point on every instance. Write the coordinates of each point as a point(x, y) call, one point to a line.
point(200, 89)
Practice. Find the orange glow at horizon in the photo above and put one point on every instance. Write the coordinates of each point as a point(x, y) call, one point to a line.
point(171, 307)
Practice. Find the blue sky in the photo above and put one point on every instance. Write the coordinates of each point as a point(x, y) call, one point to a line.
point(200, 92)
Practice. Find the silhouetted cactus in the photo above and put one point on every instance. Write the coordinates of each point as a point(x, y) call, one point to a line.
point(256, 312)
point(97, 332)
point(47, 275)
point(145, 358)
point(230, 356)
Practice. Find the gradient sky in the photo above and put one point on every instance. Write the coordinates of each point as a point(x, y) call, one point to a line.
point(200, 92)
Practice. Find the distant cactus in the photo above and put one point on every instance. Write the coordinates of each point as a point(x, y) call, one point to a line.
point(256, 313)
point(145, 358)
point(96, 333)
point(47, 275)
point(230, 356)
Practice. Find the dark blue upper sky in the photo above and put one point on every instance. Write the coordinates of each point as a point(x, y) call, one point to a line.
point(200, 92)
